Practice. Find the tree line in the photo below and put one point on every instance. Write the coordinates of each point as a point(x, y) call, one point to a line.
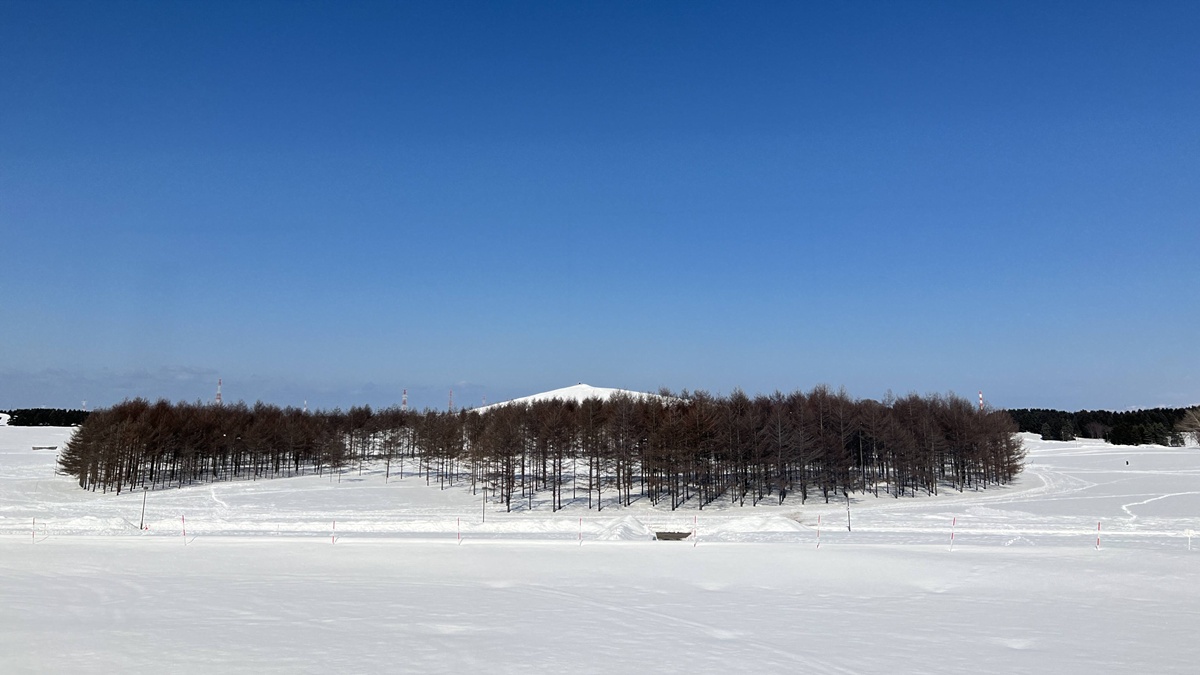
point(690, 448)
point(45, 417)
point(1153, 426)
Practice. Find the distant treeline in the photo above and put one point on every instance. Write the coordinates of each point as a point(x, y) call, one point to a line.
point(687, 448)
point(46, 417)
point(1158, 426)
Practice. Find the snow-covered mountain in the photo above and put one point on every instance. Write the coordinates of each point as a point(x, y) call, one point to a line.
point(578, 392)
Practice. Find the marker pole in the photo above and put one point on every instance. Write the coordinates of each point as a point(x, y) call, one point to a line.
point(695, 530)
point(183, 523)
point(848, 511)
point(952, 524)
point(460, 530)
point(818, 530)
point(142, 522)
point(333, 533)
point(1097, 535)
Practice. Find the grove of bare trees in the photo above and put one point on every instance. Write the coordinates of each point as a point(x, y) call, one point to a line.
point(687, 449)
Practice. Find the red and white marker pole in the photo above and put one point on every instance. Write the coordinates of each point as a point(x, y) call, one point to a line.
point(818, 530)
point(183, 523)
point(33, 532)
point(695, 530)
point(460, 530)
point(953, 523)
point(333, 533)
point(581, 531)
point(1097, 535)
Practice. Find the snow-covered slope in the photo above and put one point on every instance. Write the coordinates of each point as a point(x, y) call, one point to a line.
point(578, 392)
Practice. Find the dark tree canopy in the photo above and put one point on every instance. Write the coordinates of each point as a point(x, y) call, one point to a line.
point(46, 417)
point(1158, 426)
point(688, 449)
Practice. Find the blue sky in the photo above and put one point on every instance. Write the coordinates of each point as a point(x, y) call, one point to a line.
point(333, 202)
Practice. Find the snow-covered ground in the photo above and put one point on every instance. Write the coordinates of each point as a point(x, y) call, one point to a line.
point(259, 585)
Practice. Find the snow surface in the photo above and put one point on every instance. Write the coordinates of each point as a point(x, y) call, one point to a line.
point(259, 584)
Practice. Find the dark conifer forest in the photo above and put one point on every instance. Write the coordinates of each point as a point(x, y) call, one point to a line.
point(46, 417)
point(692, 449)
point(1158, 426)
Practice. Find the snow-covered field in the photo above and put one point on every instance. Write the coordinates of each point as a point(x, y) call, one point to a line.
point(258, 584)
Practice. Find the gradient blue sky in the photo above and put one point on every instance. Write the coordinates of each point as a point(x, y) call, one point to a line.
point(335, 201)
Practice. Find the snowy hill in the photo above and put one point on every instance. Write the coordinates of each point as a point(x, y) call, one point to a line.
point(579, 392)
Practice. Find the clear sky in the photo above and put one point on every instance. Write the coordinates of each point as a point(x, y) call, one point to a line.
point(333, 202)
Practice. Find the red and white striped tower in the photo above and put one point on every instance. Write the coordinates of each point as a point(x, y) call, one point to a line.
point(404, 400)
point(218, 391)
point(451, 404)
point(981, 401)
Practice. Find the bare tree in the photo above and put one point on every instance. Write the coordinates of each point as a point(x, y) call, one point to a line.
point(1190, 424)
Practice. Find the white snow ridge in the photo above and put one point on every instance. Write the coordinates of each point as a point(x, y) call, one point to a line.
point(626, 529)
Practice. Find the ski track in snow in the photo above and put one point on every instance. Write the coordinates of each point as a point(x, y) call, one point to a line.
point(1133, 516)
point(213, 491)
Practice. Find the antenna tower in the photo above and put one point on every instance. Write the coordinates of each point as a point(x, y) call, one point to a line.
point(218, 391)
point(980, 401)
point(404, 401)
point(451, 408)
